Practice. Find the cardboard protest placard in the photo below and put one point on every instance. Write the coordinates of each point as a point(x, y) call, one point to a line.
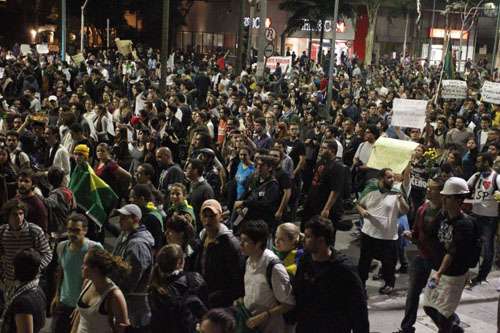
point(490, 92)
point(124, 46)
point(408, 113)
point(454, 89)
point(285, 63)
point(42, 48)
point(391, 153)
point(25, 49)
point(78, 59)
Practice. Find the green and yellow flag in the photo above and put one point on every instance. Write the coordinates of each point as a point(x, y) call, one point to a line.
point(91, 193)
point(449, 63)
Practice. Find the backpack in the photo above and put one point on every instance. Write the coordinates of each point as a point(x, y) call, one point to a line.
point(289, 317)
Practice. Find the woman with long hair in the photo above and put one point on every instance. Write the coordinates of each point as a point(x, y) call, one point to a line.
point(101, 306)
point(176, 297)
point(178, 204)
point(287, 246)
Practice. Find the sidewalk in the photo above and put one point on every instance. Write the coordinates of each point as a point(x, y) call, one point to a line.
point(486, 292)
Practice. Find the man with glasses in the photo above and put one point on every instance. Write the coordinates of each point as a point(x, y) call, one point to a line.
point(219, 259)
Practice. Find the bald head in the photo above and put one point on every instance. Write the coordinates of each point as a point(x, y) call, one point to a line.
point(164, 156)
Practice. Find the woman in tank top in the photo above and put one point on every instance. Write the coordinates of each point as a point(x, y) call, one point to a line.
point(101, 306)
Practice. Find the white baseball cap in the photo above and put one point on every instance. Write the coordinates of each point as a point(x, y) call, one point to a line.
point(130, 209)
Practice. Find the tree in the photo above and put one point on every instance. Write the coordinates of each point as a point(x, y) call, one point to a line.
point(313, 13)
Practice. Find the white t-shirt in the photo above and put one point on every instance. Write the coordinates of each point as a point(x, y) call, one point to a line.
point(484, 203)
point(259, 297)
point(383, 209)
point(364, 151)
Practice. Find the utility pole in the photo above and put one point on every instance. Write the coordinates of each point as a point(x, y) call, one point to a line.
point(406, 35)
point(107, 33)
point(241, 28)
point(63, 30)
point(165, 30)
point(261, 58)
point(429, 49)
point(332, 55)
point(495, 45)
point(82, 24)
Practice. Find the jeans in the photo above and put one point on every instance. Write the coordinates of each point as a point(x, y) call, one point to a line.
point(419, 272)
point(61, 318)
point(381, 249)
point(488, 228)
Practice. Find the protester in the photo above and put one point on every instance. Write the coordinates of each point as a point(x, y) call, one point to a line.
point(25, 310)
point(268, 292)
point(218, 258)
point(458, 253)
point(176, 297)
point(70, 255)
point(135, 245)
point(329, 294)
point(101, 306)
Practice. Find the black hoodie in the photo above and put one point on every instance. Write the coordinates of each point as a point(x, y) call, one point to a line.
point(330, 296)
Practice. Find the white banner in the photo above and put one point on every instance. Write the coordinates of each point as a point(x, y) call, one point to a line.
point(285, 63)
point(408, 113)
point(454, 89)
point(490, 92)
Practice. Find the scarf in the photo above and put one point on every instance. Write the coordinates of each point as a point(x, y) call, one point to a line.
point(6, 323)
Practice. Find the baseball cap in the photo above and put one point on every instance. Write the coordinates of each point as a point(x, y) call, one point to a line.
point(52, 98)
point(130, 209)
point(213, 205)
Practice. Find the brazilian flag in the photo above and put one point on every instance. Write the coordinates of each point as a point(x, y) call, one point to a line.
point(449, 64)
point(91, 193)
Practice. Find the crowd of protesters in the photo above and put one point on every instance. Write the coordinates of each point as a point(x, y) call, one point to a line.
point(229, 190)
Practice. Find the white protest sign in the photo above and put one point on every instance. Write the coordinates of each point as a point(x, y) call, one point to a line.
point(78, 59)
point(408, 113)
point(2, 72)
point(490, 92)
point(454, 89)
point(42, 48)
point(285, 63)
point(25, 49)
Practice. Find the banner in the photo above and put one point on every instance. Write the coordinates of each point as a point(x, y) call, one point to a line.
point(42, 48)
point(454, 89)
point(285, 63)
point(124, 46)
point(391, 153)
point(408, 113)
point(490, 92)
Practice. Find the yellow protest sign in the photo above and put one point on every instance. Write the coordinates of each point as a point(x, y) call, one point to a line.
point(78, 59)
point(391, 153)
point(124, 46)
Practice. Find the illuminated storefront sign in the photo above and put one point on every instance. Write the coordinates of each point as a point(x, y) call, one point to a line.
point(454, 34)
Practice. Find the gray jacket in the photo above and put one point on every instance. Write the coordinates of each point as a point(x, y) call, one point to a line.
point(136, 249)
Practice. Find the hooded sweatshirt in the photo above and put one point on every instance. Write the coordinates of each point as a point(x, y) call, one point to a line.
point(136, 249)
point(221, 263)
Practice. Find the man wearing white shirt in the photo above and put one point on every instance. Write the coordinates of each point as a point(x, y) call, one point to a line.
point(380, 205)
point(58, 155)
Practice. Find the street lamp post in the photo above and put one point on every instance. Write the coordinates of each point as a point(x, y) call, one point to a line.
point(332, 55)
point(82, 24)
point(495, 45)
point(63, 30)
point(165, 31)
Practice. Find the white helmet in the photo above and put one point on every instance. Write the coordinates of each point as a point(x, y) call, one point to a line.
point(454, 186)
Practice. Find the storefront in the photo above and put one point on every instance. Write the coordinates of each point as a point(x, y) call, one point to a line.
point(299, 41)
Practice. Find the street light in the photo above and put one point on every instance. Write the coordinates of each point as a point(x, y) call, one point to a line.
point(82, 26)
point(332, 55)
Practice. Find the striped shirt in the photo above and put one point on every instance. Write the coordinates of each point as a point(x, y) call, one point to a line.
point(11, 242)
